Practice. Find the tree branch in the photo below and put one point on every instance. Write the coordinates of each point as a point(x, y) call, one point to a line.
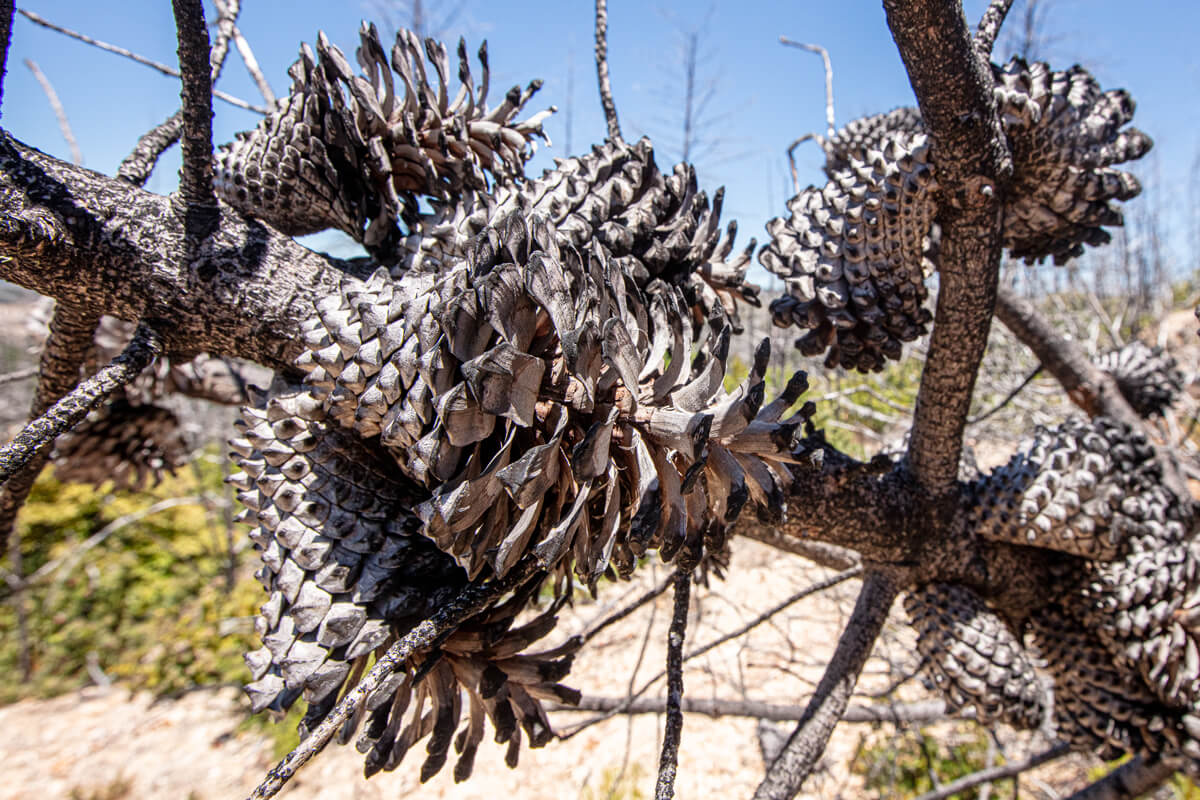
point(56, 106)
point(954, 89)
point(72, 233)
point(39, 434)
point(1130, 780)
point(6, 20)
point(996, 773)
point(470, 601)
point(830, 128)
point(247, 54)
point(668, 762)
point(989, 26)
point(196, 174)
point(786, 775)
point(606, 98)
point(920, 712)
point(37, 19)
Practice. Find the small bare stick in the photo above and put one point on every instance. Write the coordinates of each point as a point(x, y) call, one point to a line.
point(473, 599)
point(792, 158)
point(606, 98)
point(69, 411)
point(824, 54)
point(243, 48)
point(994, 774)
point(989, 26)
point(1132, 779)
point(920, 712)
point(622, 613)
point(787, 774)
point(37, 19)
point(56, 106)
point(668, 763)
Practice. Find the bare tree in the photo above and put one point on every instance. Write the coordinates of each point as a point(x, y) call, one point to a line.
point(523, 388)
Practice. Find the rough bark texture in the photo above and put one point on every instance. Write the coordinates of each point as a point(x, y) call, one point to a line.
point(787, 774)
point(196, 174)
point(77, 235)
point(953, 85)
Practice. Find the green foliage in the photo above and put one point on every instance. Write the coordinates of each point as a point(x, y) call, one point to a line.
point(899, 766)
point(163, 603)
point(618, 784)
point(118, 788)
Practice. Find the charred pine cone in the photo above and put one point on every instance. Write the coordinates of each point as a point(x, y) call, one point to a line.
point(1147, 377)
point(973, 657)
point(348, 571)
point(131, 444)
point(1065, 135)
point(1084, 488)
point(350, 152)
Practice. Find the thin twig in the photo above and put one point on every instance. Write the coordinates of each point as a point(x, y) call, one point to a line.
point(37, 19)
point(196, 174)
point(668, 762)
point(243, 48)
point(622, 613)
point(787, 773)
point(989, 26)
point(996, 773)
point(1132, 779)
point(470, 601)
point(792, 157)
point(606, 98)
point(18, 375)
point(1008, 398)
point(920, 712)
point(70, 410)
point(824, 54)
point(56, 106)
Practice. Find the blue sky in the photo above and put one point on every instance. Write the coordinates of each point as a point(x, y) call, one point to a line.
point(767, 94)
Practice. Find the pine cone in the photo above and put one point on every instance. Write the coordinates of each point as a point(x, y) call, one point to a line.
point(349, 152)
point(132, 444)
point(1065, 135)
point(348, 572)
point(973, 657)
point(852, 256)
point(867, 133)
point(513, 387)
point(1082, 488)
point(1105, 709)
point(1147, 377)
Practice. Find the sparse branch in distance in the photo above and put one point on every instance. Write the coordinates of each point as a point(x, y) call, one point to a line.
point(37, 19)
point(792, 157)
point(606, 98)
point(247, 54)
point(56, 106)
point(824, 54)
point(994, 774)
point(989, 26)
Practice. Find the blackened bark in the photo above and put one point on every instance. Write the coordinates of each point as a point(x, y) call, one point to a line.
point(793, 765)
point(196, 174)
point(77, 235)
point(6, 19)
point(954, 85)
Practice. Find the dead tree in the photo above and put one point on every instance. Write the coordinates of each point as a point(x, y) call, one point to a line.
point(523, 386)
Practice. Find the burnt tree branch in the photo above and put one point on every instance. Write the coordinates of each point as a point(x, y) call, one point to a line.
point(668, 761)
point(787, 774)
point(953, 85)
point(196, 174)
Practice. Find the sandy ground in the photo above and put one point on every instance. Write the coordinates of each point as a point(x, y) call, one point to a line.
point(79, 745)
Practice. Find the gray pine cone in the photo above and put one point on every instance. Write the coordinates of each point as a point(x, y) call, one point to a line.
point(1084, 487)
point(973, 657)
point(348, 571)
point(1147, 377)
point(1065, 135)
point(1100, 707)
point(348, 152)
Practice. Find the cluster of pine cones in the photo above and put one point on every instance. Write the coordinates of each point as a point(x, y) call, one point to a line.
point(855, 253)
point(540, 378)
point(1118, 637)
